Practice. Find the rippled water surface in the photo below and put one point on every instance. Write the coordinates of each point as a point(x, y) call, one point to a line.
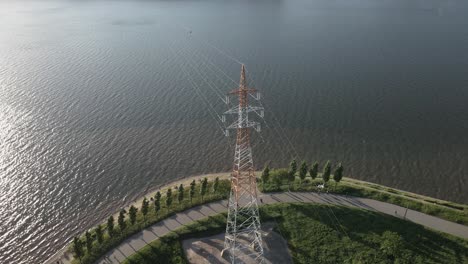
point(98, 99)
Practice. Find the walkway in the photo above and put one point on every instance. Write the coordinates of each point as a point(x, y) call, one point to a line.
point(139, 240)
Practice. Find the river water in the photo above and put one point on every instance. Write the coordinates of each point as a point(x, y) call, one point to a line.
point(101, 101)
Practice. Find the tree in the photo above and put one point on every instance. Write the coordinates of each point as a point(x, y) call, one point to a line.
point(180, 193)
point(192, 190)
point(203, 187)
point(99, 234)
point(216, 185)
point(277, 180)
point(303, 171)
point(78, 248)
point(121, 219)
point(132, 212)
point(89, 241)
point(338, 175)
point(291, 178)
point(110, 226)
point(158, 195)
point(144, 207)
point(314, 170)
point(168, 198)
point(293, 167)
point(326, 172)
point(157, 201)
point(265, 175)
point(392, 244)
point(292, 172)
point(278, 177)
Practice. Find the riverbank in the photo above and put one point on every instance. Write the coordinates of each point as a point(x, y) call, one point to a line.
point(185, 181)
point(450, 211)
point(65, 254)
point(427, 224)
point(344, 187)
point(359, 234)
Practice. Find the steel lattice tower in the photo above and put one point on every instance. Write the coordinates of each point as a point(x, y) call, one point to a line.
point(243, 240)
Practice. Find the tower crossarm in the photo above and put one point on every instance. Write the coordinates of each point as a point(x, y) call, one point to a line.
point(248, 109)
point(246, 124)
point(240, 90)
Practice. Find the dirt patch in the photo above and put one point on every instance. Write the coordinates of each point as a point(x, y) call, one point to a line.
point(208, 249)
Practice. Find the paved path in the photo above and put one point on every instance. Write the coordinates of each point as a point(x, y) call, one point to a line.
point(139, 240)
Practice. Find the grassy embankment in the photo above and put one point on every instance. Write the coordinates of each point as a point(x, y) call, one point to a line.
point(443, 209)
point(360, 236)
point(110, 242)
point(447, 210)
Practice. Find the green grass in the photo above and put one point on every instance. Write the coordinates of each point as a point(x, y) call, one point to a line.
point(450, 211)
point(357, 237)
point(164, 250)
point(168, 249)
point(151, 218)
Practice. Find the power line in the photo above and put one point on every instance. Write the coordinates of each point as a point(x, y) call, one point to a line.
point(198, 91)
point(204, 78)
point(219, 69)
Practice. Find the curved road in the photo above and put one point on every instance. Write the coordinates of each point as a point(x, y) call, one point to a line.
point(141, 239)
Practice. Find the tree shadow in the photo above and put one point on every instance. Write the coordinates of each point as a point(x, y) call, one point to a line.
point(366, 227)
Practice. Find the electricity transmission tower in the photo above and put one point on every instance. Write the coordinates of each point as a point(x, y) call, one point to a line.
point(243, 239)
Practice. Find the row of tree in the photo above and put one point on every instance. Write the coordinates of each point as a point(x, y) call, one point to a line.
point(79, 245)
point(313, 171)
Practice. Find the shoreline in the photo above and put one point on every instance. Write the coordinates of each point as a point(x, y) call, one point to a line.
point(63, 255)
point(185, 181)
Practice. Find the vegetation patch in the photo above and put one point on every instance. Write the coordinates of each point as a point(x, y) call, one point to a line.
point(327, 234)
point(168, 249)
point(332, 234)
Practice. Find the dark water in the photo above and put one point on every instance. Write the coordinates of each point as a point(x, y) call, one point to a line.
point(95, 108)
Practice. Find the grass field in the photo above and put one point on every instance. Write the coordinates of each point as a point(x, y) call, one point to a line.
point(327, 234)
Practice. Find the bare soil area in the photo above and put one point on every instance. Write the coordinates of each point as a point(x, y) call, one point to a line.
point(207, 250)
